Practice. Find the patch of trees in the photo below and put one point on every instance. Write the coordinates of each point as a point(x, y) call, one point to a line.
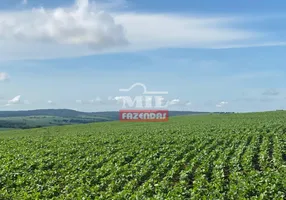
point(11, 124)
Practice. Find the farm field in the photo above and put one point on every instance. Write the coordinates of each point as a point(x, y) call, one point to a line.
point(232, 156)
point(59, 117)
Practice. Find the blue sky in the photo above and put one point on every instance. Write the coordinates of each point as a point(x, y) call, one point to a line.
point(209, 55)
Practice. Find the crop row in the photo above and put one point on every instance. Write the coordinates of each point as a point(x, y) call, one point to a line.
point(209, 157)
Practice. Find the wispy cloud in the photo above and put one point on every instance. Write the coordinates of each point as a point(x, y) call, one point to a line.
point(250, 45)
point(84, 29)
point(266, 99)
point(221, 104)
point(178, 102)
point(271, 92)
point(15, 100)
point(98, 100)
point(50, 102)
point(174, 102)
point(179, 30)
point(4, 76)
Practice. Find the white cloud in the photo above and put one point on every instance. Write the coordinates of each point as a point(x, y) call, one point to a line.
point(110, 101)
point(178, 103)
point(78, 25)
point(173, 30)
point(15, 100)
point(4, 76)
point(188, 103)
point(91, 101)
point(98, 100)
point(174, 102)
point(79, 101)
point(118, 99)
point(51, 102)
point(221, 104)
point(82, 29)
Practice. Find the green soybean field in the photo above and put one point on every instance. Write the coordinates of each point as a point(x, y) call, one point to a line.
point(216, 156)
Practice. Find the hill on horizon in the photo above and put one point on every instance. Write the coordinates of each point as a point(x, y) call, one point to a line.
point(24, 119)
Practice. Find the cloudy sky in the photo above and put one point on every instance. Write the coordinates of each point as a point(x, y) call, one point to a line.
point(209, 55)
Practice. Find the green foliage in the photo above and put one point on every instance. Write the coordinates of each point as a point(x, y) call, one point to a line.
point(57, 117)
point(233, 156)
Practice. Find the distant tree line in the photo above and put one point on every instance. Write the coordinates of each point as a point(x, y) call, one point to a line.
point(16, 125)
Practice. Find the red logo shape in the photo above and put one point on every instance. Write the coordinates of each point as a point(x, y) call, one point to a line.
point(144, 115)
